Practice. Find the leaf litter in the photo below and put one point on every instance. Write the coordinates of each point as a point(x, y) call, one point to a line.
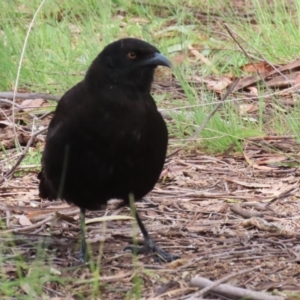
point(221, 214)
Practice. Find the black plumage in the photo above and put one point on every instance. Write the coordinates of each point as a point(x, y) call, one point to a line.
point(107, 139)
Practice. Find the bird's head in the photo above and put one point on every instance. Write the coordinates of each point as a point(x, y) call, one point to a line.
point(127, 62)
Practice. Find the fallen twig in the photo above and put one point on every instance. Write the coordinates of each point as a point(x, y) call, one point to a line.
point(12, 170)
point(218, 282)
point(271, 137)
point(11, 95)
point(11, 103)
point(262, 76)
point(204, 123)
point(229, 290)
point(33, 226)
point(245, 213)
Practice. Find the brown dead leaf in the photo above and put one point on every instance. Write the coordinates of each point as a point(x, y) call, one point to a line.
point(219, 85)
point(33, 103)
point(39, 212)
point(24, 221)
point(253, 90)
point(247, 108)
point(204, 59)
point(7, 138)
point(270, 160)
point(266, 226)
point(282, 81)
point(254, 164)
point(247, 81)
point(262, 67)
point(177, 263)
point(59, 206)
point(297, 80)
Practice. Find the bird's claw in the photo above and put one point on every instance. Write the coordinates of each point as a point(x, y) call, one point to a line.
point(151, 248)
point(83, 258)
point(84, 255)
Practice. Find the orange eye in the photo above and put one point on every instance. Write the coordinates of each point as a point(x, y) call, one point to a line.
point(131, 55)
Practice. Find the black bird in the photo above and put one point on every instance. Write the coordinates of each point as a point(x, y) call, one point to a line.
point(107, 139)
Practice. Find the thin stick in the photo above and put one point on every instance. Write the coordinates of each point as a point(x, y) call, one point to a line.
point(33, 226)
point(229, 290)
point(204, 123)
point(218, 282)
point(11, 95)
point(20, 65)
point(12, 170)
point(230, 31)
point(11, 103)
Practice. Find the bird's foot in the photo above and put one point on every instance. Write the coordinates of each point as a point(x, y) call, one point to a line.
point(84, 255)
point(151, 248)
point(83, 258)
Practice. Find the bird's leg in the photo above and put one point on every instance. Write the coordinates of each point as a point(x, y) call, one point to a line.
point(83, 255)
point(149, 245)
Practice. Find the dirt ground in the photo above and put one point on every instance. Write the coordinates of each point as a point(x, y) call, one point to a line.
point(221, 214)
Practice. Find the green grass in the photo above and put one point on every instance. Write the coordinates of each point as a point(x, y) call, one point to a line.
point(23, 279)
point(67, 35)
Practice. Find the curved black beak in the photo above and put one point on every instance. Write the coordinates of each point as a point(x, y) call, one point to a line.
point(157, 60)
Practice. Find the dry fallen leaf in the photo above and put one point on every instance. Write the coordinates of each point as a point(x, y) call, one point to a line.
point(247, 108)
point(253, 90)
point(297, 80)
point(270, 160)
point(203, 58)
point(262, 67)
point(33, 103)
point(218, 85)
point(254, 164)
point(24, 221)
